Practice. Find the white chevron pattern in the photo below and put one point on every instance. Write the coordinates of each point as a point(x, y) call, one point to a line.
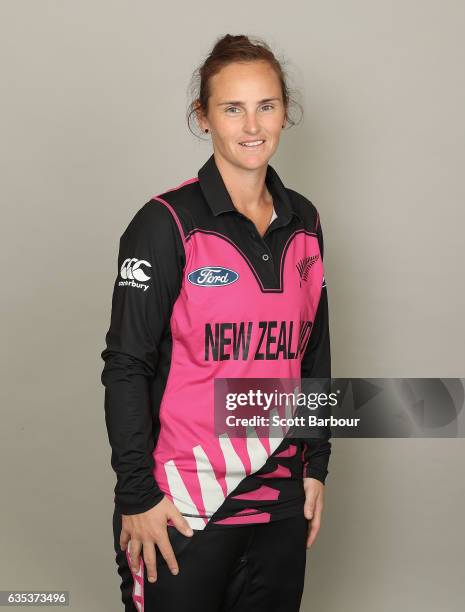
point(211, 490)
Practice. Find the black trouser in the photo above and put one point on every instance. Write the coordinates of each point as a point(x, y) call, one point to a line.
point(250, 568)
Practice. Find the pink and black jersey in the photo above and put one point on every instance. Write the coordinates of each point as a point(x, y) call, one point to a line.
point(201, 295)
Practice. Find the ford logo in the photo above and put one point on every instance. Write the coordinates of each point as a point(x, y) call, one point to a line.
point(212, 276)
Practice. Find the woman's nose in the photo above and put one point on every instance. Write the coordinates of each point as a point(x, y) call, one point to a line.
point(251, 123)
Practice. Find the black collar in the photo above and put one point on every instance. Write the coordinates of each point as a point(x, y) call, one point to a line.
point(219, 200)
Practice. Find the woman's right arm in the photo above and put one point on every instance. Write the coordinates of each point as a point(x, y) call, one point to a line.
point(150, 268)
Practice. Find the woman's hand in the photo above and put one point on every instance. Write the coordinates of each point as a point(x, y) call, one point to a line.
point(313, 506)
point(149, 528)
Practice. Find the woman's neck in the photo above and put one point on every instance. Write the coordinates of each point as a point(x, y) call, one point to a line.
point(247, 188)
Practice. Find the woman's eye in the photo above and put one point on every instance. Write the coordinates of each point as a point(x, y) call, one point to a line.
point(235, 108)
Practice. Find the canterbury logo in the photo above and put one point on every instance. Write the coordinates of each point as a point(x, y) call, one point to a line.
point(304, 265)
point(132, 270)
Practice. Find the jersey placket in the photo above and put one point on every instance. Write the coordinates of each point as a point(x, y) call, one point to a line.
point(263, 260)
point(265, 252)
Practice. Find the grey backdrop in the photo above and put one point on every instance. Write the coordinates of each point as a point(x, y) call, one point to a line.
point(93, 104)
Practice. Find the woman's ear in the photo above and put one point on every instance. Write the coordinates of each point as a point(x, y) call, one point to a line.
point(201, 120)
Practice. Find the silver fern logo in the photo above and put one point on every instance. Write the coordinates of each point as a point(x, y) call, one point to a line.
point(304, 265)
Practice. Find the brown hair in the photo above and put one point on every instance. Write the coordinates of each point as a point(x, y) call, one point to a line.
point(227, 50)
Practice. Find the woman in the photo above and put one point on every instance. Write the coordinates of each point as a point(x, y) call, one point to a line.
point(217, 278)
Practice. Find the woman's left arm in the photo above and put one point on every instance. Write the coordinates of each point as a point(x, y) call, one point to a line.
point(316, 363)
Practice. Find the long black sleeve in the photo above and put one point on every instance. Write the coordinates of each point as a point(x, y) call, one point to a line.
point(316, 363)
point(150, 267)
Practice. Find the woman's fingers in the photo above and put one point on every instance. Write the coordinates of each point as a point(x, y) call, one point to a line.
point(181, 524)
point(124, 538)
point(316, 504)
point(314, 527)
point(167, 551)
point(150, 529)
point(150, 560)
point(135, 547)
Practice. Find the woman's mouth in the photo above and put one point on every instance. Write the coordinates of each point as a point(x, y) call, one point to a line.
point(252, 144)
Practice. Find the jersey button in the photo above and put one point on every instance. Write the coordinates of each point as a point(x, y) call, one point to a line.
point(265, 257)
